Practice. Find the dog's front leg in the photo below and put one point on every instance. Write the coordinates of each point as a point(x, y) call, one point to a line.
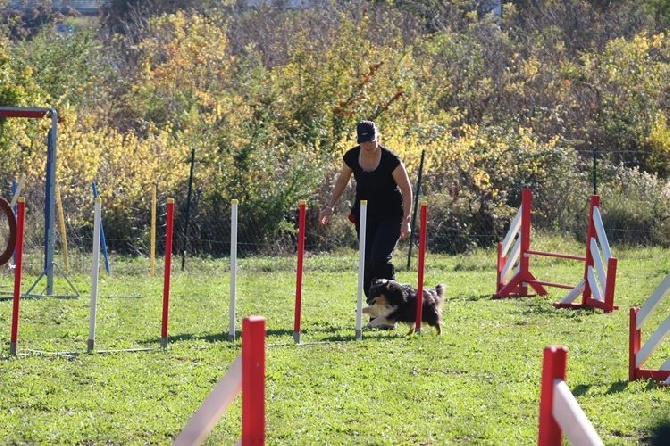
point(379, 320)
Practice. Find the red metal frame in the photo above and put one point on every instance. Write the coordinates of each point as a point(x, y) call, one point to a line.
point(518, 285)
point(634, 346)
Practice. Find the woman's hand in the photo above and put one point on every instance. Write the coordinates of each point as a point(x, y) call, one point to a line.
point(325, 214)
point(405, 229)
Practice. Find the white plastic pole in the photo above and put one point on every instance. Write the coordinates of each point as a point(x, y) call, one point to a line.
point(571, 418)
point(233, 267)
point(213, 408)
point(95, 273)
point(363, 219)
point(19, 188)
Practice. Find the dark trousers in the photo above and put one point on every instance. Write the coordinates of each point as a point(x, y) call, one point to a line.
point(381, 238)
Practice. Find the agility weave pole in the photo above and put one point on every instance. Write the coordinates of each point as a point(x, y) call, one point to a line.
point(638, 354)
point(246, 375)
point(363, 216)
point(20, 223)
point(422, 264)
point(167, 271)
point(233, 269)
point(297, 312)
point(560, 412)
point(598, 283)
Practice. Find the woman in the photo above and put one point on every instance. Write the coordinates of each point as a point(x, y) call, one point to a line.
point(381, 179)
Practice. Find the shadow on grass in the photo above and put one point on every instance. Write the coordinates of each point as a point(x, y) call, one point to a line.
point(616, 387)
point(331, 334)
point(659, 434)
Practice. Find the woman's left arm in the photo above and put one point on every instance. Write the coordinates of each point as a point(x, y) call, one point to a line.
point(402, 180)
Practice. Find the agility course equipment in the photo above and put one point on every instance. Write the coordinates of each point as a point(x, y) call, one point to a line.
point(167, 271)
point(233, 268)
point(103, 241)
point(514, 252)
point(11, 234)
point(422, 265)
point(94, 278)
point(363, 217)
point(50, 189)
point(638, 354)
point(20, 222)
point(246, 375)
point(559, 410)
point(298, 277)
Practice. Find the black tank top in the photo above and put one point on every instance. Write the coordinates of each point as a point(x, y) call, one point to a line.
point(378, 186)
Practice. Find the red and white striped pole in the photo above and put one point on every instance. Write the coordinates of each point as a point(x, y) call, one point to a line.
point(20, 223)
point(168, 269)
point(423, 218)
point(253, 381)
point(298, 276)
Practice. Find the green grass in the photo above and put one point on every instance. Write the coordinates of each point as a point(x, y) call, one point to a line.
point(476, 384)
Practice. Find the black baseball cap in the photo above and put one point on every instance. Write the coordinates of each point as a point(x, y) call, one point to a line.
point(366, 131)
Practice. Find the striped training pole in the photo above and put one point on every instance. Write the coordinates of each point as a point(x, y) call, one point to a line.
point(422, 264)
point(298, 276)
point(20, 223)
point(363, 218)
point(95, 273)
point(168, 268)
point(233, 268)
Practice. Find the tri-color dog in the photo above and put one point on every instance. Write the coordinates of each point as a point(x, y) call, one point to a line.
point(390, 301)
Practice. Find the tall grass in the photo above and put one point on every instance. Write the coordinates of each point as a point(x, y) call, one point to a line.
point(476, 384)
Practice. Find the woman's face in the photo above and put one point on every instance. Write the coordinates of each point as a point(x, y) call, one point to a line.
point(369, 146)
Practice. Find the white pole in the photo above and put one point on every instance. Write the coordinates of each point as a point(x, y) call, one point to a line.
point(19, 187)
point(233, 268)
point(361, 266)
point(95, 273)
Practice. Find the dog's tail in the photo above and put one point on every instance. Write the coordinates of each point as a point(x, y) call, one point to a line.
point(439, 289)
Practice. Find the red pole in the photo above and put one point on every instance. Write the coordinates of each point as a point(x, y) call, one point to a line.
point(298, 276)
point(610, 282)
point(168, 269)
point(253, 381)
point(553, 367)
point(20, 221)
point(422, 263)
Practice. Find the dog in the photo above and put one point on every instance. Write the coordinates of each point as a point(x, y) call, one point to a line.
point(390, 301)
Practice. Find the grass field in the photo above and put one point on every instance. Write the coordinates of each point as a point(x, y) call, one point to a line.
point(476, 384)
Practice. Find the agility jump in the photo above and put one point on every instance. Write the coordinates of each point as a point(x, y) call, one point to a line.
point(598, 283)
point(638, 354)
point(246, 376)
point(559, 410)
